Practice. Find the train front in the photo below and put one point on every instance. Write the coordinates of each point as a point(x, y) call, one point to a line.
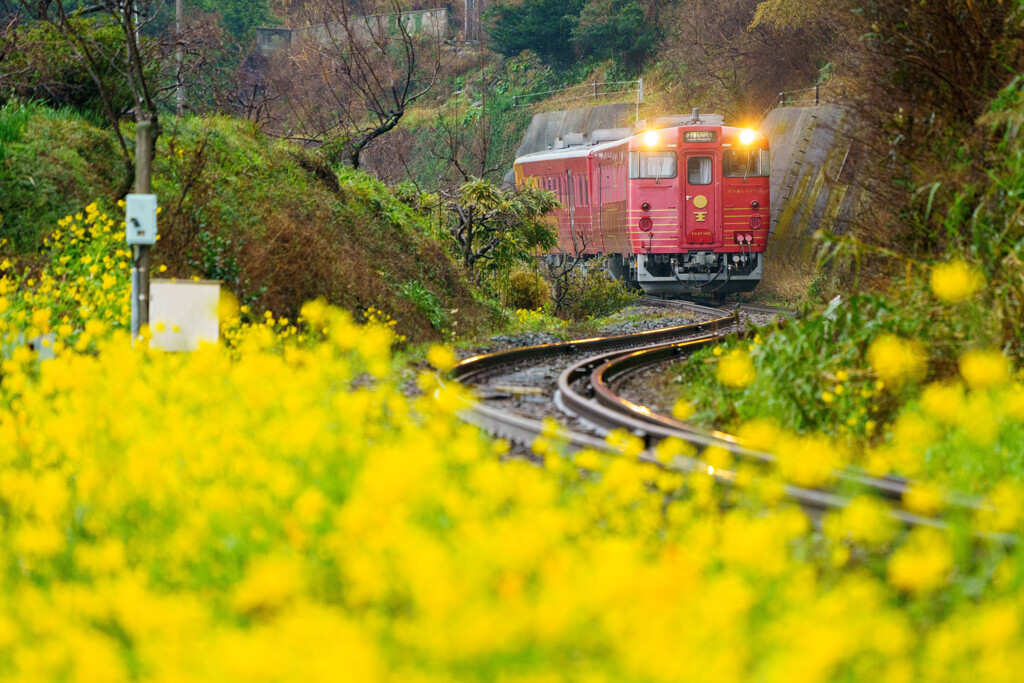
point(699, 204)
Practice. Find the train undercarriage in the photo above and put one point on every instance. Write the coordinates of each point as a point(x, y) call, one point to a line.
point(697, 272)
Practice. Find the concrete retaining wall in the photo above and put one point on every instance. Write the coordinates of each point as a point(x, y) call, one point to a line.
point(433, 22)
point(813, 188)
point(548, 127)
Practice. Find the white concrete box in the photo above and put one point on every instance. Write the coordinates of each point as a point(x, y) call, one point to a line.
point(183, 313)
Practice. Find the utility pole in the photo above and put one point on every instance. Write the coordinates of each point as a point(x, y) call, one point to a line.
point(140, 252)
point(179, 20)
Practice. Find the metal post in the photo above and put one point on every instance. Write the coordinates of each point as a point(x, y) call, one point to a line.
point(515, 101)
point(595, 90)
point(782, 100)
point(817, 95)
point(179, 20)
point(140, 253)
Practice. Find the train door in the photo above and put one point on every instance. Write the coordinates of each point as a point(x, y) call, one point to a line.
point(701, 209)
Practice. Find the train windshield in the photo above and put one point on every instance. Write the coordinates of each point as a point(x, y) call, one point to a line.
point(652, 165)
point(745, 163)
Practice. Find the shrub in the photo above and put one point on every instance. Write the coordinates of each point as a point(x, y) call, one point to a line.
point(44, 67)
point(526, 290)
point(594, 294)
point(543, 26)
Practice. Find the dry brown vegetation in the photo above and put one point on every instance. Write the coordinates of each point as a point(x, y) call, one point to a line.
point(281, 228)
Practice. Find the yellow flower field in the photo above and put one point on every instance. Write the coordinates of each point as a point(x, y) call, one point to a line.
point(278, 509)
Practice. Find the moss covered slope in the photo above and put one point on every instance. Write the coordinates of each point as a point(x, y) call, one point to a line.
point(274, 222)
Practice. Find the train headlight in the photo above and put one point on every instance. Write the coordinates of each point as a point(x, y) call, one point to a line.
point(651, 138)
point(747, 136)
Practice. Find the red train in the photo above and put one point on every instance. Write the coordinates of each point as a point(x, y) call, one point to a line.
point(681, 210)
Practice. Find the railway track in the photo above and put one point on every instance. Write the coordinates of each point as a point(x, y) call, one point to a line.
point(575, 382)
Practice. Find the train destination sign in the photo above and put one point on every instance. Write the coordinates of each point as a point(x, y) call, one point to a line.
point(700, 136)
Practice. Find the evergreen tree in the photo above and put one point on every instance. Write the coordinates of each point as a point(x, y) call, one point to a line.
point(543, 26)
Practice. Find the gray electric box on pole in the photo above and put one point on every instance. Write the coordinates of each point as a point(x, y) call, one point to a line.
point(140, 219)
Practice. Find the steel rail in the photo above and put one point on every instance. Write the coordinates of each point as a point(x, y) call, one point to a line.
point(701, 305)
point(654, 427)
point(606, 410)
point(523, 430)
point(475, 366)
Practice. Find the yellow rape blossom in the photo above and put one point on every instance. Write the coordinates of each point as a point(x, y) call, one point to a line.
point(924, 499)
point(923, 564)
point(682, 410)
point(441, 357)
point(944, 401)
point(736, 370)
point(955, 281)
point(864, 520)
point(896, 360)
point(983, 369)
point(266, 508)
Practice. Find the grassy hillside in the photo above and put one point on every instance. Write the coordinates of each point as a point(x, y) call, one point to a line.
point(275, 223)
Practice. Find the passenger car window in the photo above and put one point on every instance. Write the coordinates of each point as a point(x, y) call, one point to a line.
point(652, 165)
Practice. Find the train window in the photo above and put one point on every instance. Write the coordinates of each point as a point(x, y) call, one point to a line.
point(745, 163)
point(584, 192)
point(652, 165)
point(766, 163)
point(698, 170)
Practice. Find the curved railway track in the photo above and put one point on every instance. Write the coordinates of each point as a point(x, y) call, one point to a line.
point(576, 381)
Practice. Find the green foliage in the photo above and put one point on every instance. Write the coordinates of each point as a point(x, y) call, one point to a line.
point(427, 303)
point(543, 26)
point(977, 212)
point(47, 66)
point(617, 29)
point(213, 258)
point(538, 320)
point(491, 229)
point(240, 17)
point(814, 375)
point(594, 294)
point(277, 224)
point(13, 121)
point(478, 129)
point(561, 32)
point(51, 163)
point(526, 290)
